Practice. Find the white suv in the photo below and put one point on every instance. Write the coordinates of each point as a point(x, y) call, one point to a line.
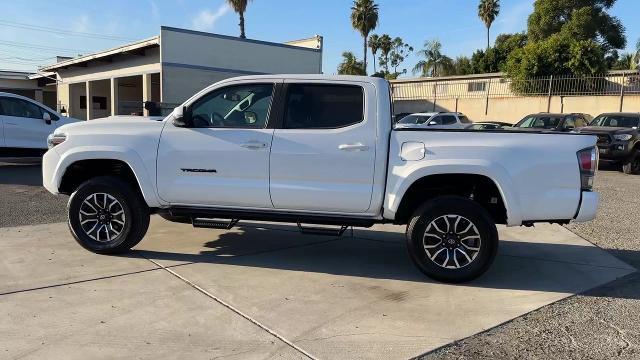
point(434, 120)
point(25, 125)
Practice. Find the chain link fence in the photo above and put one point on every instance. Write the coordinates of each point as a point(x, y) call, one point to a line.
point(497, 86)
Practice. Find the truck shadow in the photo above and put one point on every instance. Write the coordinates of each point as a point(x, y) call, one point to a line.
point(520, 265)
point(29, 174)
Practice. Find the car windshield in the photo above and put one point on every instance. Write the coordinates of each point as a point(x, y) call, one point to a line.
point(413, 119)
point(616, 121)
point(539, 122)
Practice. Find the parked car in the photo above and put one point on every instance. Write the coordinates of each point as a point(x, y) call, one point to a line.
point(618, 139)
point(315, 149)
point(488, 125)
point(434, 120)
point(25, 125)
point(400, 116)
point(553, 122)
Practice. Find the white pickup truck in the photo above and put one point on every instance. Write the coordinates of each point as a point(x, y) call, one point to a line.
point(318, 151)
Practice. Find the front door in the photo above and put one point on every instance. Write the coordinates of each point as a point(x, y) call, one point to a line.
point(323, 154)
point(223, 158)
point(24, 126)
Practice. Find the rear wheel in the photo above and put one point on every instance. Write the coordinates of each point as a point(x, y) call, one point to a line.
point(452, 239)
point(107, 216)
point(632, 165)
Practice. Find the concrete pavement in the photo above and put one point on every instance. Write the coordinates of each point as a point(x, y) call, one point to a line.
point(265, 291)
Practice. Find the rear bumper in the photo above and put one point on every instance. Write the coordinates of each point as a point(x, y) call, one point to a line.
point(588, 206)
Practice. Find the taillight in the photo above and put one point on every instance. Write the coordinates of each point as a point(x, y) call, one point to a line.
point(588, 163)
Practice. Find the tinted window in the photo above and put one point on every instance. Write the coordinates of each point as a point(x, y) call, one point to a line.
point(539, 122)
point(411, 119)
point(436, 120)
point(449, 119)
point(615, 121)
point(464, 119)
point(323, 106)
point(242, 106)
point(569, 122)
point(20, 108)
point(580, 122)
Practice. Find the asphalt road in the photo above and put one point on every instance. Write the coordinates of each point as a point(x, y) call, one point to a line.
point(23, 200)
point(603, 323)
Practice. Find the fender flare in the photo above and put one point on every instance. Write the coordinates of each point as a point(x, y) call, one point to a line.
point(491, 170)
point(146, 183)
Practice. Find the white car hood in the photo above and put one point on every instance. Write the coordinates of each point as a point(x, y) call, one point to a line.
point(112, 125)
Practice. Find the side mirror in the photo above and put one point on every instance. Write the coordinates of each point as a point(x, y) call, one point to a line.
point(431, 123)
point(181, 117)
point(46, 117)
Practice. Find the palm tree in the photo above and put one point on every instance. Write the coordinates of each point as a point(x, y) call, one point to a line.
point(374, 44)
point(434, 62)
point(488, 10)
point(350, 65)
point(364, 18)
point(385, 44)
point(636, 57)
point(240, 7)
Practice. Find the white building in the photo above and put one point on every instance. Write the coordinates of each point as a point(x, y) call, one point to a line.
point(27, 84)
point(169, 68)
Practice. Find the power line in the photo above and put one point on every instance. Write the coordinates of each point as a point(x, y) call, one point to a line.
point(37, 46)
point(62, 31)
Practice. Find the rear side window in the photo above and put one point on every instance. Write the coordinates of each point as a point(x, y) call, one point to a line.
point(464, 119)
point(311, 106)
point(449, 119)
point(20, 108)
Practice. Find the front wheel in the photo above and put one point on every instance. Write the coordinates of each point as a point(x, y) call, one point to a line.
point(632, 165)
point(107, 216)
point(452, 239)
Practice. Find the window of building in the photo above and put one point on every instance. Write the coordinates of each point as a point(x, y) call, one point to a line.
point(317, 106)
point(97, 102)
point(477, 86)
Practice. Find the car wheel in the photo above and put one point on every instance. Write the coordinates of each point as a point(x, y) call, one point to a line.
point(107, 216)
point(632, 165)
point(452, 239)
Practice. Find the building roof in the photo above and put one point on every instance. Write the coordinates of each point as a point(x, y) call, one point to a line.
point(14, 75)
point(127, 48)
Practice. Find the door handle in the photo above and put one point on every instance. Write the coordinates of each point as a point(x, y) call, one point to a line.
point(353, 147)
point(254, 145)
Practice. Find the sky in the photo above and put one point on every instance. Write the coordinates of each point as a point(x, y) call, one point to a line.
point(33, 32)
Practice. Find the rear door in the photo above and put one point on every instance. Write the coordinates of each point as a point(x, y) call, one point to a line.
point(24, 126)
point(323, 151)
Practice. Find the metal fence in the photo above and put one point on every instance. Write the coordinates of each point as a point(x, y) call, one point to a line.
point(498, 87)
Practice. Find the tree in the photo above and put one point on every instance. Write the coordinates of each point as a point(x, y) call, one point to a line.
point(495, 58)
point(364, 18)
point(399, 52)
point(386, 44)
point(374, 45)
point(488, 10)
point(350, 65)
point(240, 7)
point(624, 62)
point(434, 63)
point(461, 66)
point(579, 20)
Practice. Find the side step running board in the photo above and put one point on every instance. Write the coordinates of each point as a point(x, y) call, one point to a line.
point(213, 223)
point(309, 230)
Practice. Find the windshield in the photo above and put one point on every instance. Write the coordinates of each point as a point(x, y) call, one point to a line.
point(539, 122)
point(616, 121)
point(413, 119)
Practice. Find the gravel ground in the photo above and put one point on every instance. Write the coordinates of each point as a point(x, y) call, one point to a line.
point(603, 323)
point(23, 200)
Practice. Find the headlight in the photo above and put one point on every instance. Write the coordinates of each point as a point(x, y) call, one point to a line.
point(622, 137)
point(55, 139)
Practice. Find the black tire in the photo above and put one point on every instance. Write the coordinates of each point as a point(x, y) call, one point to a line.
point(632, 165)
point(134, 216)
point(432, 215)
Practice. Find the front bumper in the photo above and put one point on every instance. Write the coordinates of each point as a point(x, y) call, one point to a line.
point(50, 162)
point(615, 151)
point(588, 206)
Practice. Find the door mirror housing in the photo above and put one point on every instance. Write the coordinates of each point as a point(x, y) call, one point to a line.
point(181, 117)
point(431, 123)
point(46, 117)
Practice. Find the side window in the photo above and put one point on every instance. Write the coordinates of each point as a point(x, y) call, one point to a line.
point(569, 122)
point(436, 120)
point(241, 106)
point(20, 108)
point(449, 119)
point(580, 122)
point(318, 106)
point(464, 119)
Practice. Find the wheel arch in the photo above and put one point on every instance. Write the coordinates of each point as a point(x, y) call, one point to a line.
point(81, 164)
point(452, 179)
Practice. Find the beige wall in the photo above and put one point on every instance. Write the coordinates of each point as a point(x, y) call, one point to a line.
point(512, 109)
